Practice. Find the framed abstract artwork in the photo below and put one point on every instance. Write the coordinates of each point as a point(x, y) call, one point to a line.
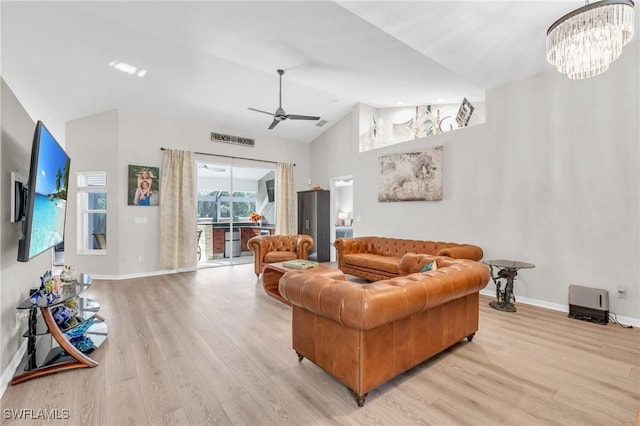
point(413, 176)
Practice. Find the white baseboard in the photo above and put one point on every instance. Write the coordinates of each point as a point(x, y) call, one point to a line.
point(558, 307)
point(142, 274)
point(9, 372)
point(627, 320)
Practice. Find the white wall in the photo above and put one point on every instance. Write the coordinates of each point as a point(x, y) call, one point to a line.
point(552, 178)
point(17, 277)
point(136, 138)
point(92, 145)
point(333, 152)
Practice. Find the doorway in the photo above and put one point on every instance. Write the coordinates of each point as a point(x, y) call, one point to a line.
point(341, 210)
point(227, 196)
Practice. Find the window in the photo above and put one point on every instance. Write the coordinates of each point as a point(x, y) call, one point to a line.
point(92, 212)
point(216, 205)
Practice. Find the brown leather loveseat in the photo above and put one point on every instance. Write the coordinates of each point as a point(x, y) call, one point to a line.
point(378, 258)
point(366, 334)
point(278, 248)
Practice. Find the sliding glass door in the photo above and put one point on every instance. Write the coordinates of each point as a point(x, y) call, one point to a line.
point(228, 194)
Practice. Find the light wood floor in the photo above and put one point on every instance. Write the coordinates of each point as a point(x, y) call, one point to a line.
point(211, 347)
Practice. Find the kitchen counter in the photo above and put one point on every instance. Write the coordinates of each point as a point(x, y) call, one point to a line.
point(227, 242)
point(238, 225)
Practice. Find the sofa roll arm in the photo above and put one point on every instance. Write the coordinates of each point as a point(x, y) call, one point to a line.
point(463, 251)
point(304, 244)
point(344, 245)
point(258, 246)
point(411, 263)
point(353, 245)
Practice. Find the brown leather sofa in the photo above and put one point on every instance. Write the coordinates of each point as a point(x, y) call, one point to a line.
point(366, 334)
point(278, 248)
point(378, 258)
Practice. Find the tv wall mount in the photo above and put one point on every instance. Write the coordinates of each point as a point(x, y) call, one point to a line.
point(18, 196)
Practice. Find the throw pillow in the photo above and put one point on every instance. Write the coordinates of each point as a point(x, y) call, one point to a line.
point(431, 266)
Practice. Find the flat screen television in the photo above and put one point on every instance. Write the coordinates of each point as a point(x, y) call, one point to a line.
point(46, 196)
point(271, 193)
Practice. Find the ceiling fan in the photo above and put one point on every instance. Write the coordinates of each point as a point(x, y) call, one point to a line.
point(280, 114)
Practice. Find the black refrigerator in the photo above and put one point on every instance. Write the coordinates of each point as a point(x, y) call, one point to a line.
point(313, 219)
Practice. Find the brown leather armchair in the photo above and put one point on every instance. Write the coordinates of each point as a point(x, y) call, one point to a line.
point(278, 248)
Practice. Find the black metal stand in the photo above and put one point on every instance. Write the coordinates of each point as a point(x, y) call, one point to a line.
point(506, 296)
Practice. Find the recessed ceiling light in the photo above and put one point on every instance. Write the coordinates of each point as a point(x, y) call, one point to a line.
point(399, 103)
point(127, 68)
point(124, 67)
point(440, 100)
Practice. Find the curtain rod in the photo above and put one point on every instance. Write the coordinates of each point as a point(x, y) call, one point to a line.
point(231, 156)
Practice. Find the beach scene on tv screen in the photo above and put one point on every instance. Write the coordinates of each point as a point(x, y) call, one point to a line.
point(50, 201)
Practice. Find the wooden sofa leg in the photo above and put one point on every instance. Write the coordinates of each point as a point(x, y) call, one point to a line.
point(470, 337)
point(360, 398)
point(300, 356)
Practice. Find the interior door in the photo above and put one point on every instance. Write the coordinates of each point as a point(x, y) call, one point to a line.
point(341, 221)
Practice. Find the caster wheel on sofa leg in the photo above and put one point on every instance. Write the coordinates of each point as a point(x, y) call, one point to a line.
point(360, 399)
point(470, 337)
point(300, 357)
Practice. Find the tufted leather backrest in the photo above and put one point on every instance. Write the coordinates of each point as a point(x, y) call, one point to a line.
point(367, 306)
point(398, 247)
point(281, 243)
point(260, 245)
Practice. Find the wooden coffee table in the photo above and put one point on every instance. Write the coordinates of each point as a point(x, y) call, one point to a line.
point(272, 273)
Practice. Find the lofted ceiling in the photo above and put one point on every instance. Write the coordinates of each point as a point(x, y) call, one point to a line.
point(208, 61)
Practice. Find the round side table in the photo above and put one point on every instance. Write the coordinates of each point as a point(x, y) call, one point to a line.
point(507, 270)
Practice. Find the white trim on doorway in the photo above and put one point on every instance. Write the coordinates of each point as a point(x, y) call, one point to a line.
point(334, 184)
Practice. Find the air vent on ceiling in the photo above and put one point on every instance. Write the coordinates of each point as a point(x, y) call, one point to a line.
point(321, 123)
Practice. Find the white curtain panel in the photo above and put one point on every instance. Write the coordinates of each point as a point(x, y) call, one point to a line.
point(285, 202)
point(178, 210)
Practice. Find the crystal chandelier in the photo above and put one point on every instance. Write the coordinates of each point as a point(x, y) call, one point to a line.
point(584, 42)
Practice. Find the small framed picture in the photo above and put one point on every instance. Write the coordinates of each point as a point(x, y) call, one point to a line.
point(144, 186)
point(464, 113)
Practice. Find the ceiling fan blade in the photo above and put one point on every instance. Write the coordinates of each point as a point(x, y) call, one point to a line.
point(274, 124)
point(280, 115)
point(259, 110)
point(302, 117)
